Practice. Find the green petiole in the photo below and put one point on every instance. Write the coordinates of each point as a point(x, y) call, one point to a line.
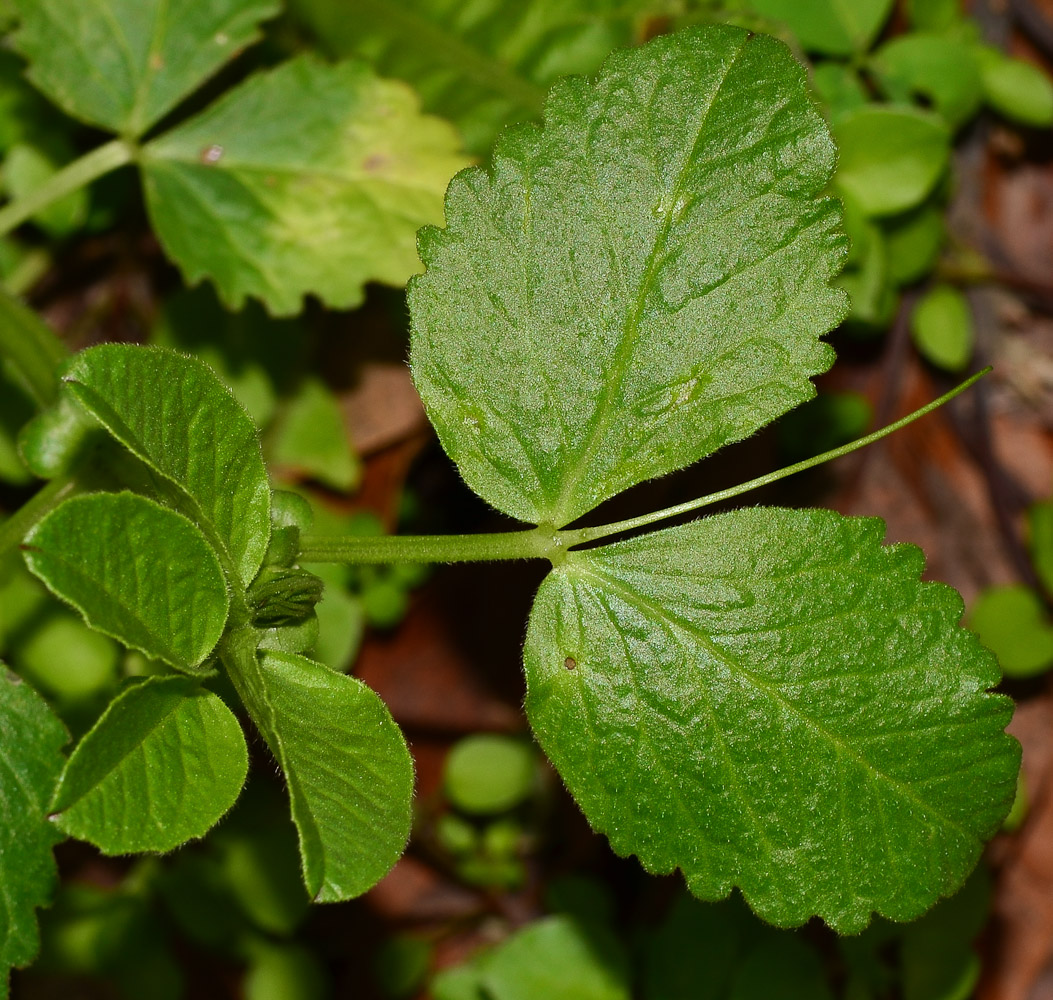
point(545, 542)
point(76, 175)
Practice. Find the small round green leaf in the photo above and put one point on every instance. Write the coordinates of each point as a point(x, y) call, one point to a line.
point(173, 413)
point(1013, 623)
point(349, 772)
point(943, 70)
point(771, 699)
point(832, 27)
point(164, 762)
point(891, 158)
point(136, 571)
point(310, 438)
point(913, 242)
point(552, 957)
point(489, 773)
point(1016, 89)
point(839, 87)
point(942, 328)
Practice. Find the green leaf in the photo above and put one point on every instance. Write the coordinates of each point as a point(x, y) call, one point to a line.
point(1013, 623)
point(481, 65)
point(934, 15)
point(913, 242)
point(940, 69)
point(832, 27)
point(283, 971)
point(1040, 540)
point(839, 87)
point(65, 659)
point(942, 328)
point(348, 770)
point(489, 773)
point(865, 277)
point(771, 699)
point(890, 158)
point(556, 957)
point(174, 414)
point(136, 571)
point(31, 740)
point(164, 762)
point(1016, 89)
point(311, 438)
point(309, 178)
point(122, 64)
point(582, 325)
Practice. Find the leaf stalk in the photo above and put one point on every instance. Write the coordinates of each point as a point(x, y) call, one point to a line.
point(45, 500)
point(32, 347)
point(545, 542)
point(70, 178)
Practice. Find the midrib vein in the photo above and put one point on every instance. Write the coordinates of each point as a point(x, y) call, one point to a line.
point(631, 328)
point(647, 607)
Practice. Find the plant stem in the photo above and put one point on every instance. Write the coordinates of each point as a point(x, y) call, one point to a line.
point(18, 525)
point(583, 535)
point(536, 543)
point(32, 347)
point(545, 542)
point(76, 175)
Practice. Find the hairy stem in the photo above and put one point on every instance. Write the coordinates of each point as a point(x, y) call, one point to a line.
point(537, 543)
point(545, 542)
point(18, 525)
point(32, 347)
point(76, 175)
point(594, 534)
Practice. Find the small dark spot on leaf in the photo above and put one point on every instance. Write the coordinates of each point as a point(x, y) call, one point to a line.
point(570, 663)
point(375, 163)
point(30, 548)
point(157, 63)
point(211, 154)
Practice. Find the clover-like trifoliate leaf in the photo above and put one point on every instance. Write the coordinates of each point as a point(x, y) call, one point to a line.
point(771, 699)
point(637, 283)
point(164, 762)
point(481, 65)
point(309, 178)
point(31, 740)
point(136, 571)
point(348, 770)
point(122, 64)
point(174, 414)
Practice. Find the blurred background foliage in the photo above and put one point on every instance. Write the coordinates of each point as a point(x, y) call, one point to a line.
point(504, 893)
